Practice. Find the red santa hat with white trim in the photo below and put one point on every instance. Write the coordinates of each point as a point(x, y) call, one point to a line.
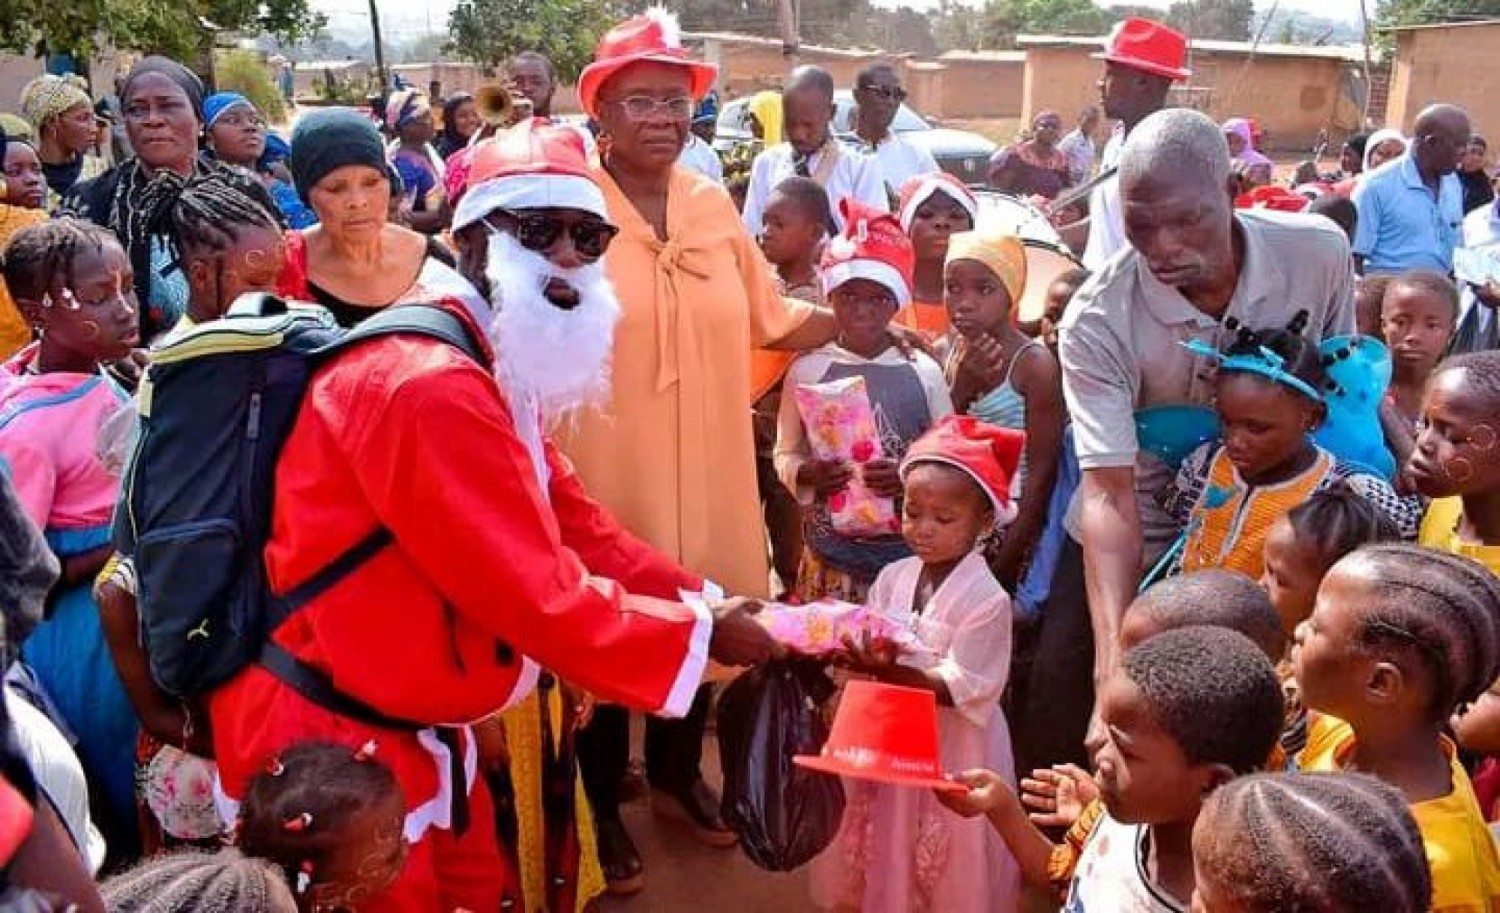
point(529, 166)
point(923, 187)
point(872, 247)
point(988, 454)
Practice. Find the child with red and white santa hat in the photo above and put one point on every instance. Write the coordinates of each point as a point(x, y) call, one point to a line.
point(898, 850)
point(866, 276)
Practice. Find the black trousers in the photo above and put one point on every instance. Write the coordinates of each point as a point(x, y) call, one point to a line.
point(674, 752)
point(1053, 721)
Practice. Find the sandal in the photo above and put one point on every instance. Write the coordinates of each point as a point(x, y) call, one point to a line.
point(621, 861)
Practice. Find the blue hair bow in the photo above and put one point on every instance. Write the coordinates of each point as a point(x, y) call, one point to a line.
point(1265, 363)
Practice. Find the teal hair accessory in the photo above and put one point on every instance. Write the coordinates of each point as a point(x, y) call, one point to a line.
point(1266, 363)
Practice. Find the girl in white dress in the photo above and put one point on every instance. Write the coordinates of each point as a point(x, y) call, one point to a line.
point(898, 850)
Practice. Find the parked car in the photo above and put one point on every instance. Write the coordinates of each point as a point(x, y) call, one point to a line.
point(962, 154)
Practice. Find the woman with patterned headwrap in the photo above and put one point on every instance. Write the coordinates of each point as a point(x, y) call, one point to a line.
point(163, 103)
point(408, 117)
point(62, 114)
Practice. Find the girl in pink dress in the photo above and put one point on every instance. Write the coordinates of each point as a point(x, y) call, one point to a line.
point(72, 281)
point(898, 850)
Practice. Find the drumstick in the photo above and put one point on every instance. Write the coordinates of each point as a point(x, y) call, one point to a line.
point(1082, 190)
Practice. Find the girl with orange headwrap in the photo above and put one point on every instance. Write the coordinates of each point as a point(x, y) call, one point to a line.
point(1001, 377)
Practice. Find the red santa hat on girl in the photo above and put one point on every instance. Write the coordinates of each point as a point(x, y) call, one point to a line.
point(872, 247)
point(985, 453)
point(529, 166)
point(920, 189)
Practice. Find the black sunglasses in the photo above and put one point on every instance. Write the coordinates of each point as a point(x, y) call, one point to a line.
point(889, 93)
point(536, 232)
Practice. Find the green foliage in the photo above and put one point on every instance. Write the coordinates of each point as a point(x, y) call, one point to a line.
point(1002, 20)
point(1425, 12)
point(246, 73)
point(489, 32)
point(175, 29)
point(1223, 20)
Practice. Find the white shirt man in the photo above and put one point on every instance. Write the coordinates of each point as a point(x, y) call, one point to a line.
point(1106, 218)
point(702, 158)
point(841, 172)
point(901, 160)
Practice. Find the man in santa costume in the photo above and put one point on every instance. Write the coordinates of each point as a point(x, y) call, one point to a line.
point(500, 565)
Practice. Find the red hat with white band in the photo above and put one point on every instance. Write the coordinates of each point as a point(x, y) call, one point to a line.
point(923, 187)
point(872, 247)
point(529, 167)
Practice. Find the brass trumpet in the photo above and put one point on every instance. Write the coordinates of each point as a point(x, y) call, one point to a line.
point(498, 107)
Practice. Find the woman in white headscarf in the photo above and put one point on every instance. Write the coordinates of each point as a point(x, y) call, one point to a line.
point(1384, 145)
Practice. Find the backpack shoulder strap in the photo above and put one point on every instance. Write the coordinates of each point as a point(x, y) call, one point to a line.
point(419, 320)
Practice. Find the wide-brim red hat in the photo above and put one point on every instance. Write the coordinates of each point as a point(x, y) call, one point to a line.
point(653, 37)
point(885, 733)
point(1149, 46)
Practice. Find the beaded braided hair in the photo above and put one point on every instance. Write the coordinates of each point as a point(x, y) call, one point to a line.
point(40, 258)
point(1272, 843)
point(303, 809)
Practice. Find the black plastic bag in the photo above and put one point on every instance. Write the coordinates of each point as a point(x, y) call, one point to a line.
point(783, 814)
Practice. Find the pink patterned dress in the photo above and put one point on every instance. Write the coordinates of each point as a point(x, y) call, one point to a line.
point(898, 850)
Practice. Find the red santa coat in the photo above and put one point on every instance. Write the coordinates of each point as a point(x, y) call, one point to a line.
point(488, 573)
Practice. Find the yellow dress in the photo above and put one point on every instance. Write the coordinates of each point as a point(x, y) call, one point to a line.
point(15, 333)
point(1440, 531)
point(1460, 850)
point(672, 454)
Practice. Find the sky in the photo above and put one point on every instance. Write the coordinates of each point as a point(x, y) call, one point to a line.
point(403, 21)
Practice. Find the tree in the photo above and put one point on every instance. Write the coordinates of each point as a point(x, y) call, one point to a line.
point(1423, 12)
point(1002, 20)
point(490, 32)
point(956, 26)
point(1223, 20)
point(178, 29)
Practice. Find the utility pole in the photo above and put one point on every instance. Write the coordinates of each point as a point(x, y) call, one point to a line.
point(379, 50)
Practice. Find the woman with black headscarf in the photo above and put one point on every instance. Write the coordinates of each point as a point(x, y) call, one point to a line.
point(163, 107)
point(460, 122)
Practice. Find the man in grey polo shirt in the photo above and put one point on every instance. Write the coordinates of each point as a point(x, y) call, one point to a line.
point(1195, 267)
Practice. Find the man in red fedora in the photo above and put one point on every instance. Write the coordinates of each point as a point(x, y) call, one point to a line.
point(1142, 59)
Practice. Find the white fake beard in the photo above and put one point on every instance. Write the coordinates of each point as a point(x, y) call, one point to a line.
point(555, 358)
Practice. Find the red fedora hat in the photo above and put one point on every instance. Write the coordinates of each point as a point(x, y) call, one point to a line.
point(1147, 45)
point(886, 733)
point(653, 36)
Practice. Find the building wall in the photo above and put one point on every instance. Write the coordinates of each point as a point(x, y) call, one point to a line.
point(1456, 64)
point(17, 71)
point(1292, 97)
point(980, 87)
point(1061, 79)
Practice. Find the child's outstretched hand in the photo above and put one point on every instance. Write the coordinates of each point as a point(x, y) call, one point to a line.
point(870, 655)
point(987, 790)
point(1057, 796)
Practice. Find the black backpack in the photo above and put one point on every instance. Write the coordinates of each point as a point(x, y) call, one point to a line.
point(216, 405)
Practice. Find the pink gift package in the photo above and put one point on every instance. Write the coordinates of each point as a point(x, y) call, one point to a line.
point(820, 627)
point(841, 426)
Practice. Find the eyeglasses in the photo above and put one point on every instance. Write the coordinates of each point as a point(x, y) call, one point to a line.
point(642, 107)
point(535, 232)
point(889, 93)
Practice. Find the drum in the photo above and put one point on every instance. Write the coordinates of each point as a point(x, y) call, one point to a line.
point(1045, 262)
point(1014, 216)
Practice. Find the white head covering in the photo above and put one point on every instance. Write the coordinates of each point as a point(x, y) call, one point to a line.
point(1382, 136)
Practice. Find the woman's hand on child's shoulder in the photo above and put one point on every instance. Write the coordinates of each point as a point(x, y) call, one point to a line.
point(1057, 796)
point(986, 790)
